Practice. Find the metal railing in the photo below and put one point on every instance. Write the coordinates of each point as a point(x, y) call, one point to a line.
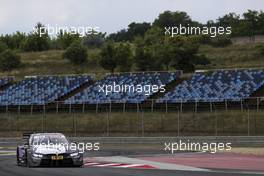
point(148, 118)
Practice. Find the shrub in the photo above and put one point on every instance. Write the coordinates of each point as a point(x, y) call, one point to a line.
point(76, 53)
point(3, 46)
point(9, 61)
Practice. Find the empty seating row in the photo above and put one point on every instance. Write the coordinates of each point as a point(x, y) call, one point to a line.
point(216, 86)
point(93, 95)
point(41, 89)
point(212, 86)
point(5, 81)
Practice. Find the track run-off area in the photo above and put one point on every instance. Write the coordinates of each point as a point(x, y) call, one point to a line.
point(126, 158)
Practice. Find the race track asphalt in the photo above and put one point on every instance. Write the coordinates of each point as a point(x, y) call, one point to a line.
point(8, 167)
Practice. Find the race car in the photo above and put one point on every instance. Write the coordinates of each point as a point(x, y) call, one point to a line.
point(48, 149)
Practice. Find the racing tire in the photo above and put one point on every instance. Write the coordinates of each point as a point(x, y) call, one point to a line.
point(28, 160)
point(18, 161)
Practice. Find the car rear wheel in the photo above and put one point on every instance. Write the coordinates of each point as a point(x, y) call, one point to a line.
point(18, 159)
point(28, 160)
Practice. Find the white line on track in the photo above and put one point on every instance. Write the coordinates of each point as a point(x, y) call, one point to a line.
point(131, 165)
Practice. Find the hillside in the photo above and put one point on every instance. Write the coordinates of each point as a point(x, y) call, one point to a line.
point(234, 56)
point(52, 63)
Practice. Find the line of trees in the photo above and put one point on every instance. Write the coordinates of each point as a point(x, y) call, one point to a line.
point(142, 46)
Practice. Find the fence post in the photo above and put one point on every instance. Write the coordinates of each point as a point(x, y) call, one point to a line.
point(42, 123)
point(166, 106)
point(6, 108)
point(31, 109)
point(142, 124)
point(178, 123)
point(124, 107)
point(181, 105)
point(74, 124)
point(44, 118)
point(110, 106)
point(257, 104)
point(107, 124)
point(241, 104)
point(248, 125)
point(226, 104)
point(138, 120)
point(195, 107)
point(19, 109)
point(216, 123)
point(70, 108)
point(57, 107)
point(96, 107)
point(211, 106)
point(83, 107)
point(152, 105)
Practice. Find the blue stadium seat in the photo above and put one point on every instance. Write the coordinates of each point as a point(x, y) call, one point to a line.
point(217, 86)
point(41, 89)
point(92, 95)
point(5, 81)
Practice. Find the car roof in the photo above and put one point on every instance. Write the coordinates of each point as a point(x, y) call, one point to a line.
point(47, 134)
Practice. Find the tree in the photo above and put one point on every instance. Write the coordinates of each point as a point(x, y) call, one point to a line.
point(76, 53)
point(13, 41)
point(137, 29)
point(120, 36)
point(251, 18)
point(122, 55)
point(170, 19)
point(9, 61)
point(3, 46)
point(230, 20)
point(143, 59)
point(134, 30)
point(38, 40)
point(65, 39)
point(94, 40)
point(107, 60)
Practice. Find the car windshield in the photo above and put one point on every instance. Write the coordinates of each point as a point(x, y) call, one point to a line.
point(49, 139)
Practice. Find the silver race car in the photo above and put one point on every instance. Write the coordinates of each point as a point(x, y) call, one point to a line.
point(48, 149)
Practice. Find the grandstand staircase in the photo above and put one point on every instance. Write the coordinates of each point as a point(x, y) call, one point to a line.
point(75, 91)
point(258, 93)
point(168, 88)
point(2, 88)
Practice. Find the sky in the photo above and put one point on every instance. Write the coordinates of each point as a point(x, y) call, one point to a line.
point(109, 15)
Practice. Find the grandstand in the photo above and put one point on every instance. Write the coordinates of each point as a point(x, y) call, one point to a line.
point(5, 81)
point(226, 102)
point(92, 95)
point(206, 86)
point(216, 86)
point(39, 90)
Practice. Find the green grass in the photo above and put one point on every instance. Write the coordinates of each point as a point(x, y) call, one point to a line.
point(52, 63)
point(234, 56)
point(231, 122)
